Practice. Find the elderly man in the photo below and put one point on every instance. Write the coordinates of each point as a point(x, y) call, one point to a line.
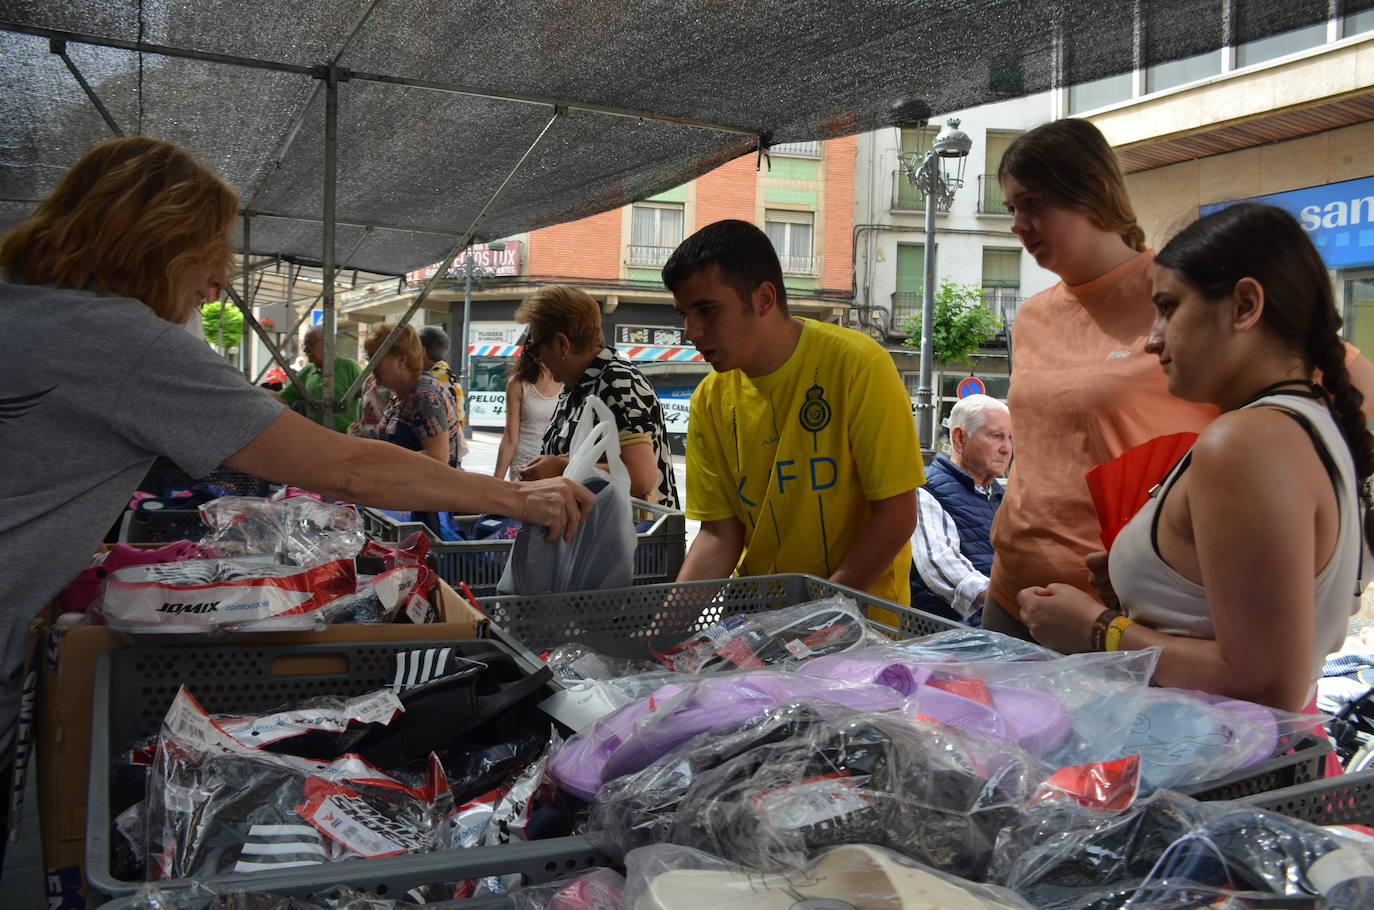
point(950, 550)
point(435, 342)
point(312, 375)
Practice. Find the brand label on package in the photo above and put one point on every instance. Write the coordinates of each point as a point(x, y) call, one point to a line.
point(343, 816)
point(812, 801)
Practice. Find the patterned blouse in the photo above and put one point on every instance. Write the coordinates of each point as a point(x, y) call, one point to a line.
point(639, 416)
point(427, 411)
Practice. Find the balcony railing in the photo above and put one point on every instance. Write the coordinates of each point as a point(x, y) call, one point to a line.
point(798, 265)
point(991, 201)
point(647, 255)
point(906, 304)
point(907, 198)
point(797, 149)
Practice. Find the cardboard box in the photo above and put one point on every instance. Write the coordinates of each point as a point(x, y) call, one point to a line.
point(66, 676)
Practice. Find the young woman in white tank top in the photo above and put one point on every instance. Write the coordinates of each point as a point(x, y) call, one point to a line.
point(1246, 565)
point(531, 397)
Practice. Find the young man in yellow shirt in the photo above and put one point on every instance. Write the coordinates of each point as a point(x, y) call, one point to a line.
point(802, 454)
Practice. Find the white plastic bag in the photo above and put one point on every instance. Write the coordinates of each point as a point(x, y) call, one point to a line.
point(601, 553)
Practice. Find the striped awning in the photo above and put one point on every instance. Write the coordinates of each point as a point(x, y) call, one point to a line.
point(652, 352)
point(493, 350)
point(655, 353)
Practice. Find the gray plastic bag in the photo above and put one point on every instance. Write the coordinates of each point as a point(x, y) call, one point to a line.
point(601, 553)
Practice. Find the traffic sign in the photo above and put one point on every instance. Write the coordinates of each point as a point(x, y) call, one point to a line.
point(971, 386)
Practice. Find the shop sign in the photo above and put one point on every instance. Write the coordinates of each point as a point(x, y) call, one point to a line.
point(1339, 217)
point(487, 409)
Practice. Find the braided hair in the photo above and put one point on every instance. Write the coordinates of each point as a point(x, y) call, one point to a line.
point(1267, 244)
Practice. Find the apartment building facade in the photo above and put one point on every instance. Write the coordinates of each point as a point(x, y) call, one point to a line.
point(801, 194)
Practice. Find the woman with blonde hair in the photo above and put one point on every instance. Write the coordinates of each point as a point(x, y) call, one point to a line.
point(100, 377)
point(420, 416)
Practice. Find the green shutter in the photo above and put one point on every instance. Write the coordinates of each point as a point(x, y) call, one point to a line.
point(911, 267)
point(1001, 268)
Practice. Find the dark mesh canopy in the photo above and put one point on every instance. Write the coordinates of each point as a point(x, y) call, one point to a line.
point(643, 95)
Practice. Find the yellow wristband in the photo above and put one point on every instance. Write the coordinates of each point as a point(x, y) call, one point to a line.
point(1115, 630)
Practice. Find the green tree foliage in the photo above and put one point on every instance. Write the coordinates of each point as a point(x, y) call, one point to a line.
point(962, 323)
point(210, 315)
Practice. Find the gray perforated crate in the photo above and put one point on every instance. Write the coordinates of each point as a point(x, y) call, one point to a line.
point(659, 549)
point(1347, 799)
point(634, 622)
point(135, 686)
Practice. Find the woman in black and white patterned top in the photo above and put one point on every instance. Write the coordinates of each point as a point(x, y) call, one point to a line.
point(565, 335)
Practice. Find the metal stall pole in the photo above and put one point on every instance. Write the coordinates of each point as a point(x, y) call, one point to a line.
point(247, 298)
point(448, 260)
point(328, 323)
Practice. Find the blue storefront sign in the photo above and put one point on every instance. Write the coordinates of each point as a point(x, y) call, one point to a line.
point(1339, 217)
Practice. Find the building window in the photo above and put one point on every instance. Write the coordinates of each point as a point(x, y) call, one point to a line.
point(655, 231)
point(1249, 16)
point(990, 199)
point(1002, 281)
point(797, 149)
point(1087, 55)
point(791, 235)
point(1358, 23)
point(1206, 32)
point(911, 270)
point(905, 196)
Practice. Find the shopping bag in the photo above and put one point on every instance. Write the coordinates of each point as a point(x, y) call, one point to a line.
point(601, 553)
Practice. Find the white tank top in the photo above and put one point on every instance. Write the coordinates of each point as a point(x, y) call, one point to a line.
point(536, 412)
point(1151, 592)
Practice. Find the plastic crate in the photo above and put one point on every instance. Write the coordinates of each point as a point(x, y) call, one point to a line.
point(1347, 799)
point(392, 877)
point(161, 526)
point(628, 622)
point(659, 551)
point(135, 686)
point(1300, 766)
point(164, 474)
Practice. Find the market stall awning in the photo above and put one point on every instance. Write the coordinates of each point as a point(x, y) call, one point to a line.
point(631, 351)
point(567, 109)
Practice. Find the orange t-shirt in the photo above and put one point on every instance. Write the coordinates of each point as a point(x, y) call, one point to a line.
point(1083, 391)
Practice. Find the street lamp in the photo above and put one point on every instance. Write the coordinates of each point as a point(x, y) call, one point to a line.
point(926, 173)
point(467, 269)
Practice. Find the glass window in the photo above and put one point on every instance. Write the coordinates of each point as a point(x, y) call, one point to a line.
point(990, 199)
point(655, 231)
point(791, 236)
point(1087, 96)
point(1249, 17)
point(1358, 23)
point(1181, 72)
point(1176, 56)
point(1001, 268)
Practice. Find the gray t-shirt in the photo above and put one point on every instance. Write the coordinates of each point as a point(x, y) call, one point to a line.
point(92, 389)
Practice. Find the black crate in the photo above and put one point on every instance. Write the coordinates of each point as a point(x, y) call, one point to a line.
point(135, 686)
point(659, 550)
point(161, 526)
point(164, 474)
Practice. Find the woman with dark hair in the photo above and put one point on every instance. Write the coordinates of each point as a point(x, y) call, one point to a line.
point(1244, 566)
point(421, 414)
point(107, 270)
point(531, 398)
point(1084, 388)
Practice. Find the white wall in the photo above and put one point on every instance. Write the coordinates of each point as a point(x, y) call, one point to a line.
point(963, 232)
